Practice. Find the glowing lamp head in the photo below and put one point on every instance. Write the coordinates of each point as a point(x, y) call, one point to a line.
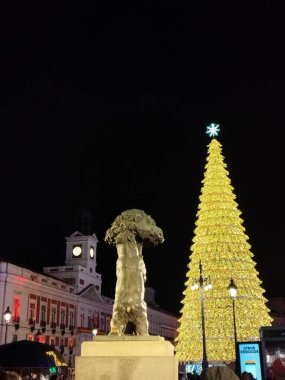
point(7, 315)
point(94, 332)
point(232, 289)
point(208, 287)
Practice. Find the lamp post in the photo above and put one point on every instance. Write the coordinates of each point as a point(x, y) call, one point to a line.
point(38, 335)
point(204, 284)
point(7, 317)
point(233, 294)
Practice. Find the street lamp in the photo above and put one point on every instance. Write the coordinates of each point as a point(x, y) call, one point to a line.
point(204, 284)
point(7, 317)
point(233, 294)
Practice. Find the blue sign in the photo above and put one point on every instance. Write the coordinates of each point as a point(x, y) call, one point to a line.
point(250, 358)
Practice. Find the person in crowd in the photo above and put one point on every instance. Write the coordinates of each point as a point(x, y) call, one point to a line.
point(270, 374)
point(9, 375)
point(245, 376)
point(193, 376)
point(251, 376)
point(218, 373)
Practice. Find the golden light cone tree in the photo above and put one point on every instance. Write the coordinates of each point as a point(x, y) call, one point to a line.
point(221, 245)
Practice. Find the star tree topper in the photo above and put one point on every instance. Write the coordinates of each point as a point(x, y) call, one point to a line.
point(213, 130)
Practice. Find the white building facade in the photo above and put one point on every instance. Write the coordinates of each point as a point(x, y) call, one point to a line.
point(62, 306)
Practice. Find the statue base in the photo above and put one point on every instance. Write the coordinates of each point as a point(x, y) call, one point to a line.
point(126, 357)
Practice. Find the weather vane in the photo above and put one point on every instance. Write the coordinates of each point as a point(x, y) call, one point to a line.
point(213, 130)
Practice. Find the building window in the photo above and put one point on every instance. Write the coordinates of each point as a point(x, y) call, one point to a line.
point(82, 320)
point(90, 322)
point(95, 319)
point(16, 309)
point(62, 319)
point(81, 282)
point(53, 316)
point(32, 312)
point(71, 318)
point(43, 315)
point(102, 323)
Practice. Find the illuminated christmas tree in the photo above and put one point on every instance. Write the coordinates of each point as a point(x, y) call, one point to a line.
point(221, 251)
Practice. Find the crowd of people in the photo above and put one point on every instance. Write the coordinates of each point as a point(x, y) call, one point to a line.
point(13, 375)
point(224, 373)
point(211, 373)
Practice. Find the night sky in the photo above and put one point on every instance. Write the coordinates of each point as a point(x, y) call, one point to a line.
point(105, 108)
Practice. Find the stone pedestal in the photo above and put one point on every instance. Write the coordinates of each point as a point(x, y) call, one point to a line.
point(126, 358)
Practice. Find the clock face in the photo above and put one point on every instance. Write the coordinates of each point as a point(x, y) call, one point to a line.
point(76, 251)
point(91, 252)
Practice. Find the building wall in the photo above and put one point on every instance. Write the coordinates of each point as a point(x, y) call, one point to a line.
point(21, 287)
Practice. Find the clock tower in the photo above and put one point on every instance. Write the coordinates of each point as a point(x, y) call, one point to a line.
point(80, 262)
point(81, 250)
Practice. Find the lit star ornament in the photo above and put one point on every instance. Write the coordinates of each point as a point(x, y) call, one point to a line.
point(213, 130)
